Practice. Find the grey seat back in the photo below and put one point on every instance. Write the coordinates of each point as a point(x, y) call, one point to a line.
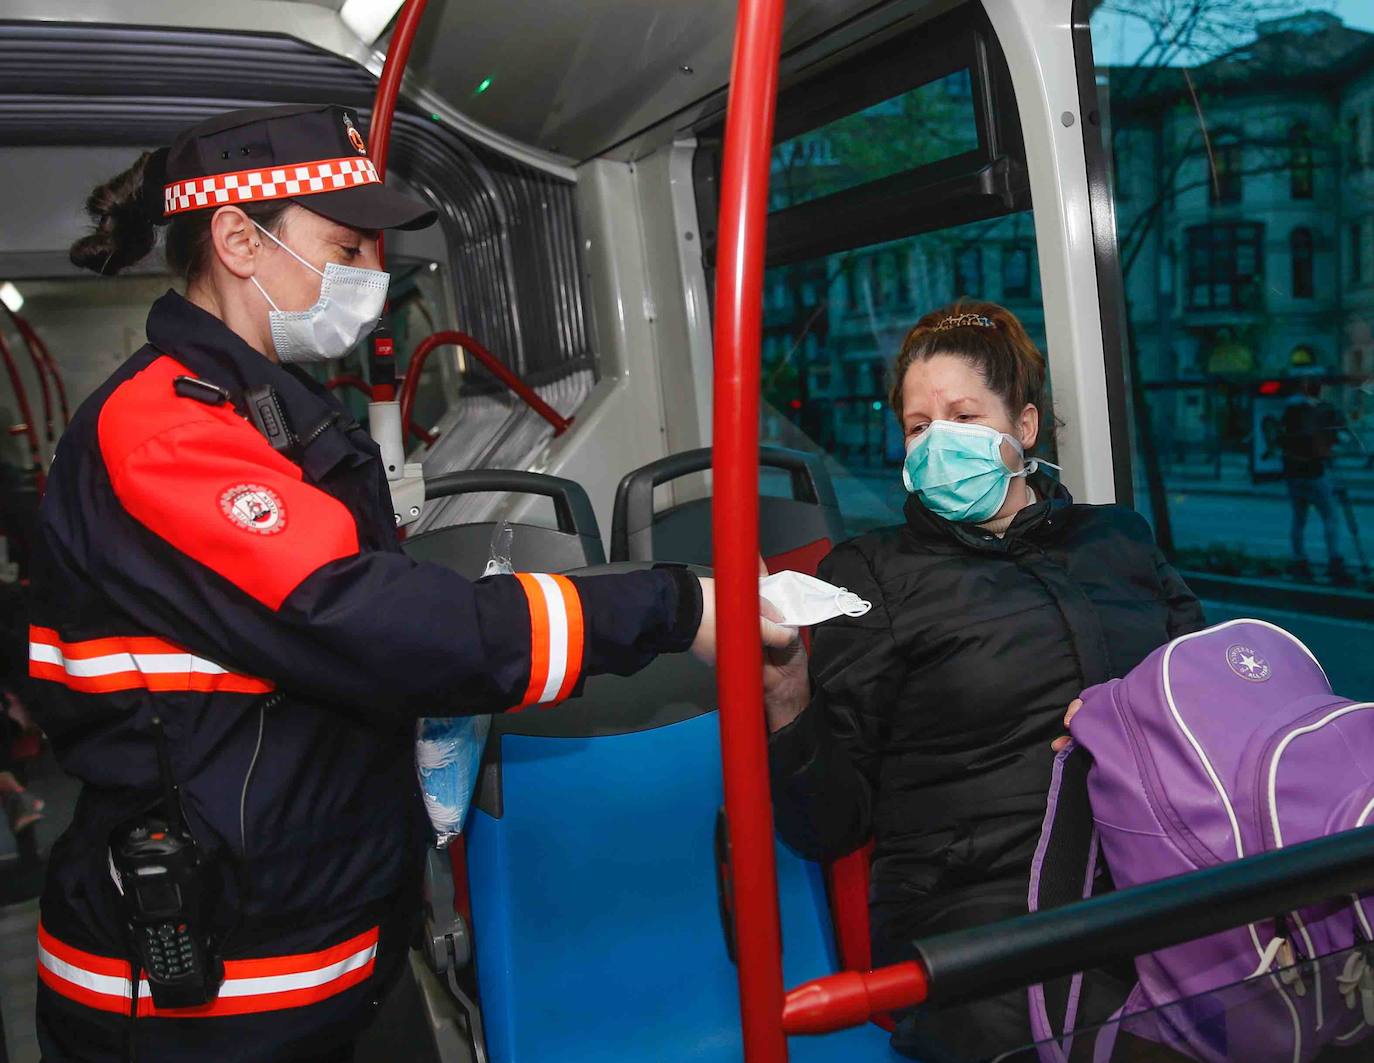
point(465, 548)
point(683, 532)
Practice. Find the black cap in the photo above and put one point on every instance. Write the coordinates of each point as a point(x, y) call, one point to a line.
point(313, 155)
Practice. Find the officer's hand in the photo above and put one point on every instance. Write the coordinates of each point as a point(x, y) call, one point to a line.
point(775, 636)
point(786, 686)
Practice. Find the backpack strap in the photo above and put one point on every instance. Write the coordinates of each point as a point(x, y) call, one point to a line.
point(1063, 871)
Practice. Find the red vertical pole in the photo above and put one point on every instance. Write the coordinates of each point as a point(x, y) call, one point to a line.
point(735, 522)
point(384, 110)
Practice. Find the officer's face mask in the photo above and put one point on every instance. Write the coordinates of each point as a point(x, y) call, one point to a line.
point(350, 305)
point(957, 471)
point(805, 600)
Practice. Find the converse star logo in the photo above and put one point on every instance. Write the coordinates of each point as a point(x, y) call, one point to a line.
point(1248, 664)
point(254, 508)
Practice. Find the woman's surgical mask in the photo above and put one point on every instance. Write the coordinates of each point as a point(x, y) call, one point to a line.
point(804, 600)
point(957, 471)
point(350, 305)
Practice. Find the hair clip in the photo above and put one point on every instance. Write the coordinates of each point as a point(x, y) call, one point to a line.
point(962, 320)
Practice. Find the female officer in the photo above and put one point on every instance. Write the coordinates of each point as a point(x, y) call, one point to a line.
point(247, 609)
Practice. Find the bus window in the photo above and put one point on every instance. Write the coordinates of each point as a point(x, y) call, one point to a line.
point(1245, 226)
point(898, 185)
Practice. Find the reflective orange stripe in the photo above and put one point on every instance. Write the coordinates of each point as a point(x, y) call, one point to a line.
point(267, 984)
point(539, 638)
point(103, 666)
point(556, 637)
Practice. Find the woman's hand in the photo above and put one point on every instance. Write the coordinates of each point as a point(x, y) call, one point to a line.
point(1074, 706)
point(786, 686)
point(775, 636)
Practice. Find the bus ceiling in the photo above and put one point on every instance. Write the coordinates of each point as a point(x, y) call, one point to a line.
point(619, 79)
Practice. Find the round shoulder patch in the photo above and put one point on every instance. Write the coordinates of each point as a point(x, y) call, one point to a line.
point(254, 508)
point(1248, 664)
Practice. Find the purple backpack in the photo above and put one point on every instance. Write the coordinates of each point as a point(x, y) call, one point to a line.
point(1222, 744)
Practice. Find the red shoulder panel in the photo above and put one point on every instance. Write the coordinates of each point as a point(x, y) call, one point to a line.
point(202, 479)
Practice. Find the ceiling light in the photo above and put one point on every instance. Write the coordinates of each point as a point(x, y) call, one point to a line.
point(9, 295)
point(368, 18)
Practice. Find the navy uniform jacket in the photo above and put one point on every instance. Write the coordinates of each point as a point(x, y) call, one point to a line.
point(263, 610)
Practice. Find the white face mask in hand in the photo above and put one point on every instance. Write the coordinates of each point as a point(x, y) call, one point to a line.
point(805, 600)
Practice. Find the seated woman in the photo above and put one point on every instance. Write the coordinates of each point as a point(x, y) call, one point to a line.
point(928, 721)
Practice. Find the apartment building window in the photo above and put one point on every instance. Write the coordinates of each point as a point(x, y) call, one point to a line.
point(1227, 160)
point(1300, 168)
point(968, 271)
point(1224, 263)
point(1016, 272)
point(1300, 251)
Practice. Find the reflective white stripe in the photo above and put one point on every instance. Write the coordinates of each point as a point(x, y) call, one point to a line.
point(284, 983)
point(558, 636)
point(232, 987)
point(96, 983)
point(114, 663)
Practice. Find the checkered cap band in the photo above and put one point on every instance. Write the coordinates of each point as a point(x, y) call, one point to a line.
point(271, 182)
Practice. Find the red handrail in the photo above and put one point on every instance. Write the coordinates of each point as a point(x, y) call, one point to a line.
point(735, 522)
point(384, 110)
point(357, 383)
point(348, 380)
point(32, 336)
point(389, 84)
point(852, 998)
point(40, 368)
point(522, 390)
point(25, 411)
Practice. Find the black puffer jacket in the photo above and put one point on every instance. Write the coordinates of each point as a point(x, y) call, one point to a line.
point(932, 716)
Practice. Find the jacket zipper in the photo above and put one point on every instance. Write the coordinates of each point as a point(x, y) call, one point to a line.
point(271, 701)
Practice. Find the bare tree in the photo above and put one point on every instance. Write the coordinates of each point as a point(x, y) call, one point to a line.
point(1178, 37)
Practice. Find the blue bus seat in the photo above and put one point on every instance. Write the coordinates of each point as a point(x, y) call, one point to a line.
point(597, 923)
point(591, 872)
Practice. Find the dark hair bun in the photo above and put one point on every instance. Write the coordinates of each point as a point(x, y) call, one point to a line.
point(991, 339)
point(124, 231)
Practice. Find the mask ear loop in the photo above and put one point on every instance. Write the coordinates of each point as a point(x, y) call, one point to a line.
point(850, 604)
point(288, 250)
point(1031, 466)
point(269, 299)
point(1034, 464)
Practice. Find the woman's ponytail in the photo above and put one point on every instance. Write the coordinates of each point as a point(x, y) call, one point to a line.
point(124, 226)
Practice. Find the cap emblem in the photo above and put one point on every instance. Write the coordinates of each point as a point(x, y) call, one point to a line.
point(354, 137)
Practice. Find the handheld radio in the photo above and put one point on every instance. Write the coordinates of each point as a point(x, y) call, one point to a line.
point(160, 877)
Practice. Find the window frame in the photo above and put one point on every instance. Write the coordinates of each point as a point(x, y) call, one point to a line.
point(987, 182)
point(1111, 288)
